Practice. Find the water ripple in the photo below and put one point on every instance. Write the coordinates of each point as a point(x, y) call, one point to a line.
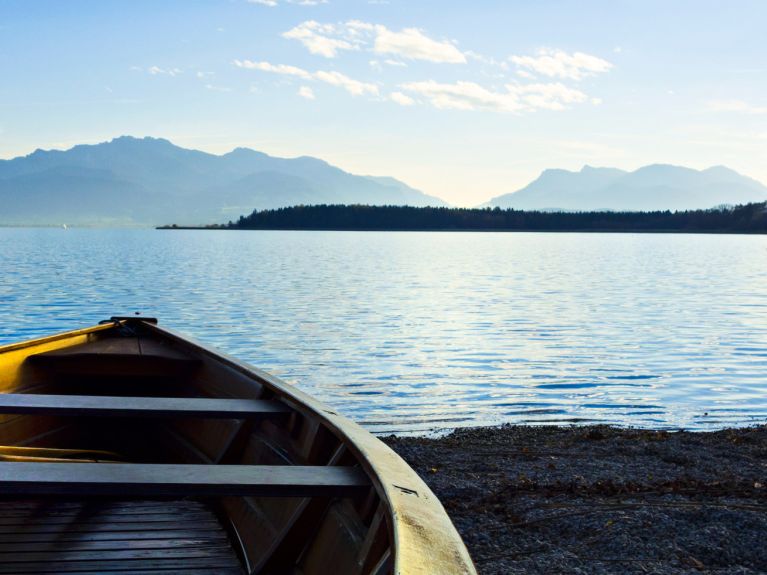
point(413, 332)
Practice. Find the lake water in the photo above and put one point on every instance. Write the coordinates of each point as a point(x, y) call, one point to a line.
point(420, 332)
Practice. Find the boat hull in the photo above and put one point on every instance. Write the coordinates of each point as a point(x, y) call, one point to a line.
point(389, 521)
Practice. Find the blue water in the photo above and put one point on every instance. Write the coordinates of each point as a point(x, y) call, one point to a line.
point(417, 332)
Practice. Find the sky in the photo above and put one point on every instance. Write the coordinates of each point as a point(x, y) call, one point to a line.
point(463, 100)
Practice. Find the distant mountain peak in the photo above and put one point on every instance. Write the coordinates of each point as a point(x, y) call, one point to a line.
point(149, 180)
point(586, 169)
point(653, 187)
point(139, 142)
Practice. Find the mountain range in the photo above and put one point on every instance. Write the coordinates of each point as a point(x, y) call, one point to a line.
point(135, 181)
point(150, 181)
point(654, 187)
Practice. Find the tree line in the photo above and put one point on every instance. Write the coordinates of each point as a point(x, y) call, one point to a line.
point(749, 218)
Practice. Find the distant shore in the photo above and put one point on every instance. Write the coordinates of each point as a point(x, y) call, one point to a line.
point(746, 219)
point(443, 230)
point(598, 500)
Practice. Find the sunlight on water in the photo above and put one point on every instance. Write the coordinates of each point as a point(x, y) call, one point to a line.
point(415, 332)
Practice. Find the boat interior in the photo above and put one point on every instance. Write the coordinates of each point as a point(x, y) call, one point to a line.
point(128, 448)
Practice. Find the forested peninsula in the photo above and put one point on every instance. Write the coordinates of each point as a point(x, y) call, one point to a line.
point(749, 218)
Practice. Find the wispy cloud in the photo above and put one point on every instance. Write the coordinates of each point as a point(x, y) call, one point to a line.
point(214, 88)
point(274, 68)
point(515, 99)
point(157, 71)
point(401, 99)
point(306, 92)
point(737, 106)
point(354, 87)
point(413, 44)
point(410, 43)
point(320, 39)
point(560, 64)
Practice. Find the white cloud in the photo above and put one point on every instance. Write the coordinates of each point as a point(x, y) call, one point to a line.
point(559, 64)
point(411, 43)
point(516, 99)
point(401, 99)
point(354, 87)
point(395, 63)
point(270, 3)
point(319, 38)
point(157, 71)
point(738, 106)
point(306, 92)
point(215, 88)
point(274, 68)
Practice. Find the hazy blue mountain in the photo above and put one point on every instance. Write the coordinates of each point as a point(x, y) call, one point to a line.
point(151, 181)
point(655, 187)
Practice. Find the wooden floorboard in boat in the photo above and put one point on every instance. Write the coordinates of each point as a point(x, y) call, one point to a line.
point(108, 536)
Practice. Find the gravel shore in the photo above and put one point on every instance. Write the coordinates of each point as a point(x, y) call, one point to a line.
point(597, 499)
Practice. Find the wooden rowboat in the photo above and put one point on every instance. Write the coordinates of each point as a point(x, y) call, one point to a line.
point(126, 447)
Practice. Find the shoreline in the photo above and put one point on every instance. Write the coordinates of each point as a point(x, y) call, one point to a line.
point(469, 230)
point(600, 499)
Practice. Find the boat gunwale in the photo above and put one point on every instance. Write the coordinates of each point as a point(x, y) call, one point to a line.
point(5, 348)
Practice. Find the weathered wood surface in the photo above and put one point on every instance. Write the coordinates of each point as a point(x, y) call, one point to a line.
point(95, 405)
point(113, 537)
point(180, 480)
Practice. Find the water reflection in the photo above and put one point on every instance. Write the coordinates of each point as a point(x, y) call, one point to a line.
point(412, 332)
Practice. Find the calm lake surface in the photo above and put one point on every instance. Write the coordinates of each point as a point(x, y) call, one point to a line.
point(419, 332)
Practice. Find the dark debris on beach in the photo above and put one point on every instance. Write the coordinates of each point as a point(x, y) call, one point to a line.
point(598, 499)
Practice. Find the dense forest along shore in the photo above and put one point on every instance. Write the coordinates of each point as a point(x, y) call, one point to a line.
point(598, 500)
point(746, 219)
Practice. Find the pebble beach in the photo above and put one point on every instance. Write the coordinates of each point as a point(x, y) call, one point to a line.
point(601, 500)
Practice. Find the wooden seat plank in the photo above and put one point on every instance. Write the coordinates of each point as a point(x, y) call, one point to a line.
point(108, 406)
point(153, 480)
